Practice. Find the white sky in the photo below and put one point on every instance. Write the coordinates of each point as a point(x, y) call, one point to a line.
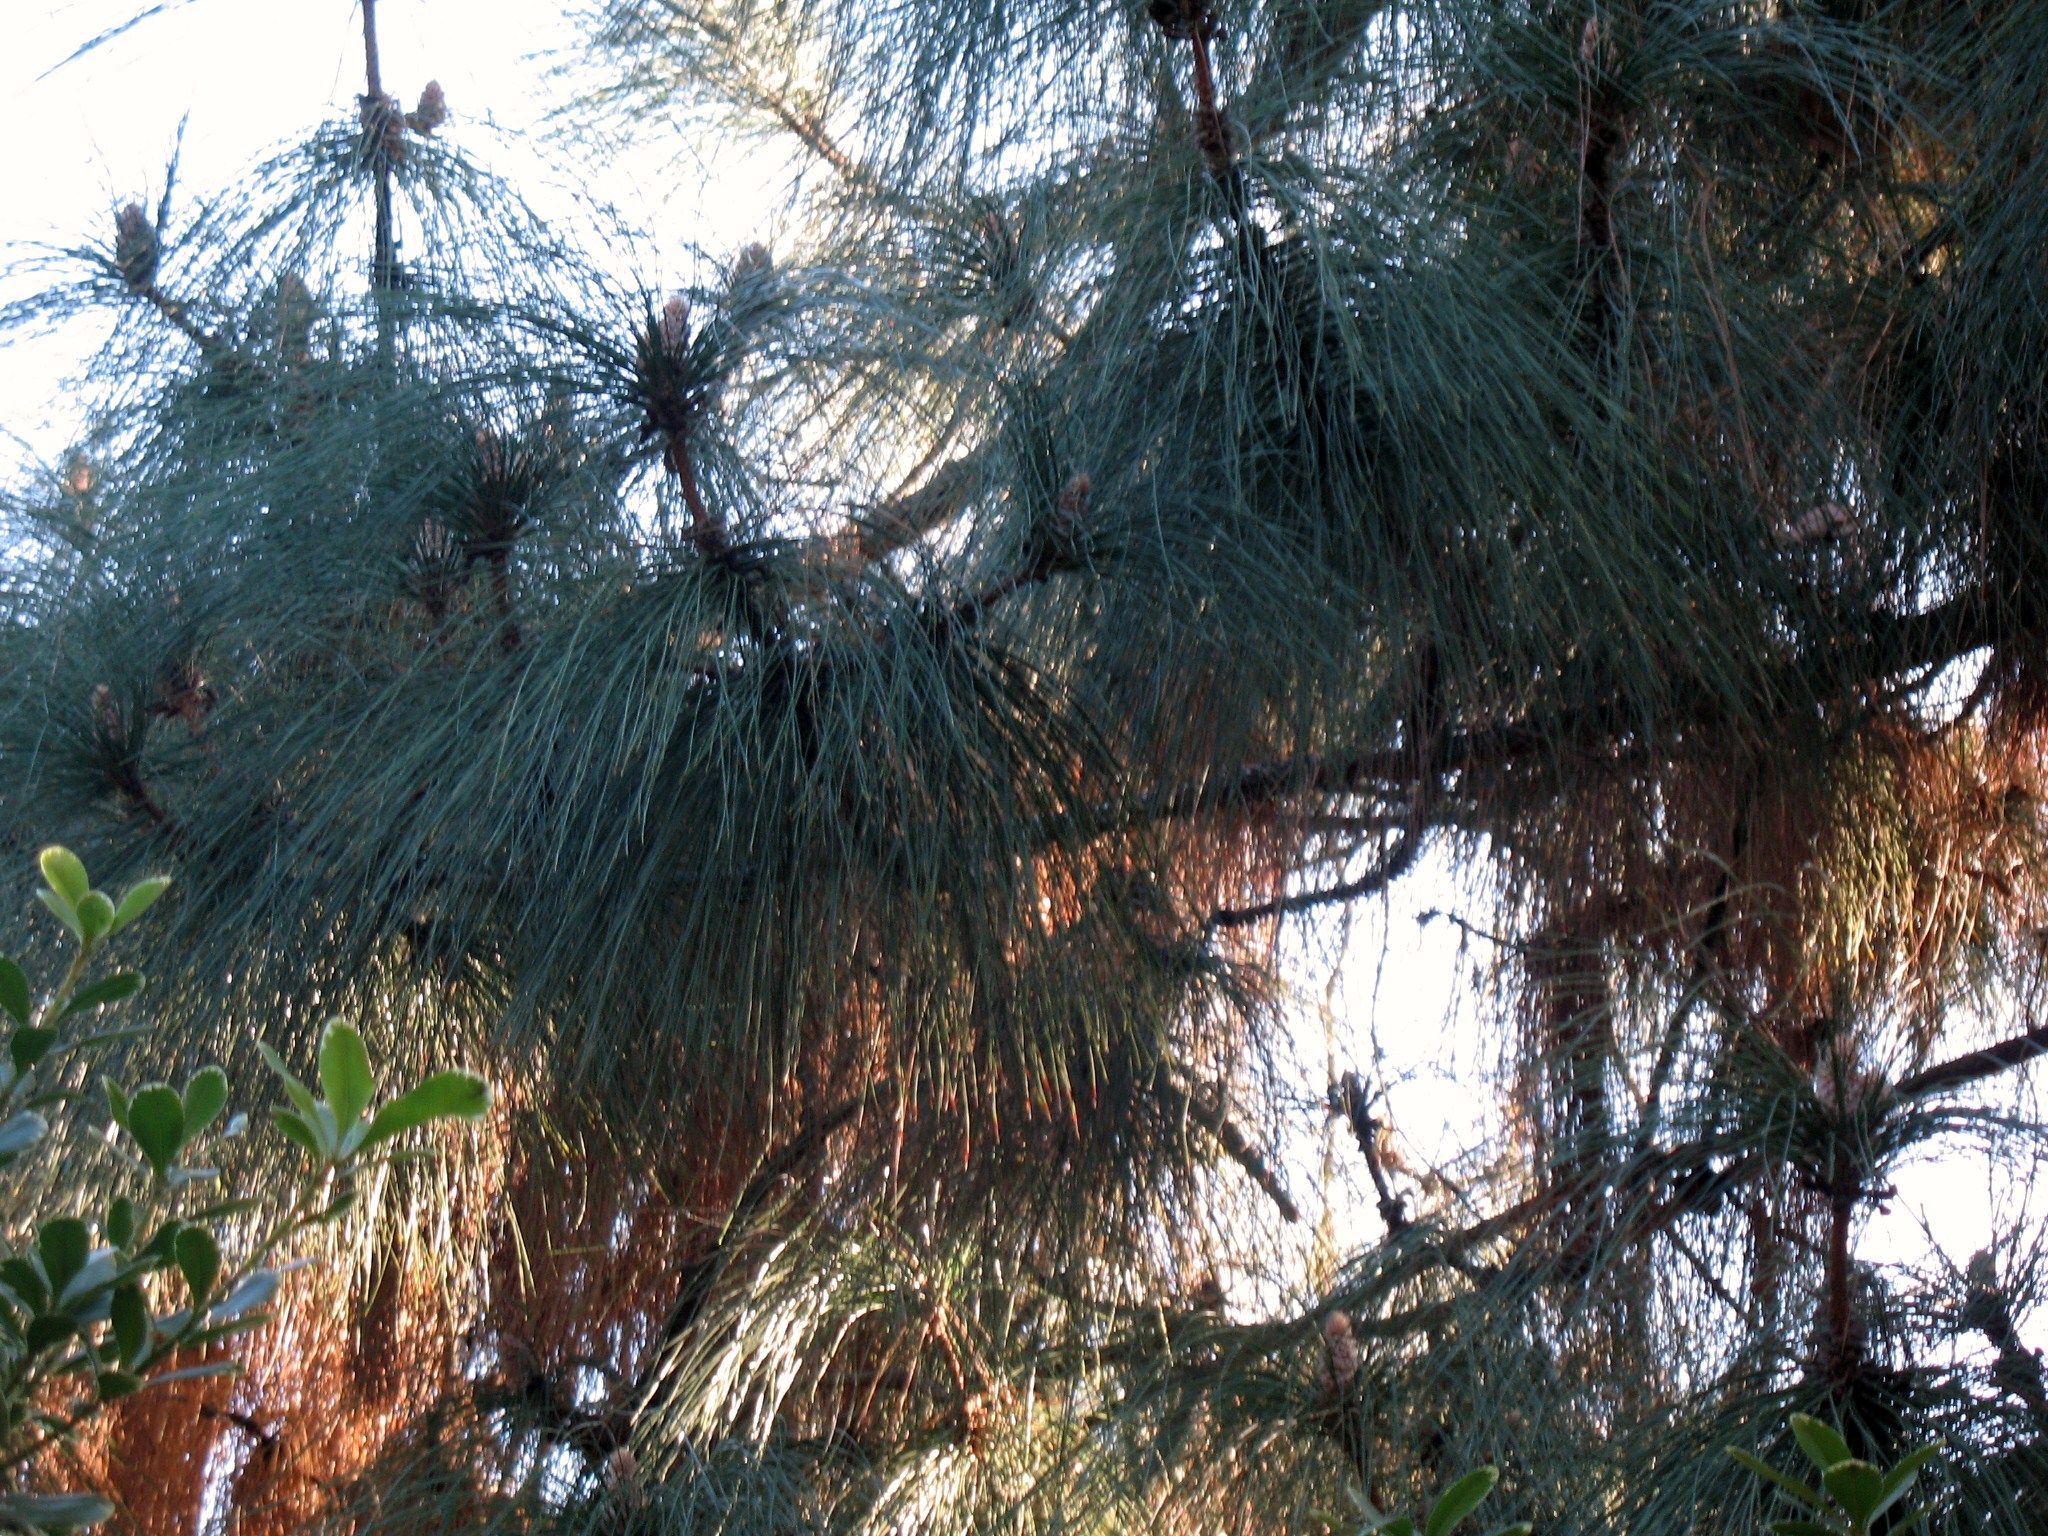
point(253, 74)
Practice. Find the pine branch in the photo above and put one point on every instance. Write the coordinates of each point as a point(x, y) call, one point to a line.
point(381, 122)
point(1974, 1066)
point(1235, 1144)
point(1349, 1098)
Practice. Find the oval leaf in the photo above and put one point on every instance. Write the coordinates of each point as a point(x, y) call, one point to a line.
point(295, 1126)
point(129, 1315)
point(1765, 1470)
point(256, 1289)
point(1900, 1477)
point(96, 914)
point(444, 1096)
point(66, 875)
point(14, 990)
point(22, 1131)
point(1857, 1486)
point(206, 1095)
point(345, 1071)
point(64, 1245)
point(138, 899)
point(120, 1227)
point(156, 1119)
point(108, 989)
point(1823, 1446)
point(64, 911)
point(1460, 1499)
point(199, 1261)
point(27, 1047)
point(26, 1282)
point(293, 1088)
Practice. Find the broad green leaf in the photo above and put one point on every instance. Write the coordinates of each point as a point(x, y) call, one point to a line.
point(63, 1244)
point(14, 990)
point(66, 875)
point(27, 1047)
point(1519, 1528)
point(444, 1096)
point(129, 1315)
point(54, 1511)
point(162, 1248)
point(156, 1119)
point(120, 1226)
point(295, 1126)
point(26, 1281)
point(96, 914)
point(108, 989)
point(1807, 1496)
point(1460, 1499)
point(48, 1331)
point(1857, 1486)
point(198, 1261)
point(64, 911)
point(21, 1131)
point(206, 1095)
point(1900, 1478)
point(1823, 1446)
point(138, 899)
point(255, 1289)
point(345, 1071)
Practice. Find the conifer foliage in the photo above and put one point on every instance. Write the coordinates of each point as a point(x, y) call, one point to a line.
point(846, 741)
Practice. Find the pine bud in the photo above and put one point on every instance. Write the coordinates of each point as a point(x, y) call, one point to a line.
point(675, 326)
point(1339, 1367)
point(135, 248)
point(432, 110)
point(753, 264)
point(294, 317)
point(1343, 1347)
point(78, 475)
point(107, 721)
point(1072, 505)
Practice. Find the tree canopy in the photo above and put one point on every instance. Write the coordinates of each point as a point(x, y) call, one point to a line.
point(845, 742)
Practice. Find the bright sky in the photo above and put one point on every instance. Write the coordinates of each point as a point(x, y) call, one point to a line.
point(253, 74)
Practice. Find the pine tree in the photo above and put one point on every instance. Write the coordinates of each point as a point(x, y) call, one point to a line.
point(844, 743)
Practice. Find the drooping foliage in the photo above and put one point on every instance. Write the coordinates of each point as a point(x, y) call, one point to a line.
point(846, 741)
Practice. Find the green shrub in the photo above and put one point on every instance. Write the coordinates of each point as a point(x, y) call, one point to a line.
point(1853, 1494)
point(97, 1306)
